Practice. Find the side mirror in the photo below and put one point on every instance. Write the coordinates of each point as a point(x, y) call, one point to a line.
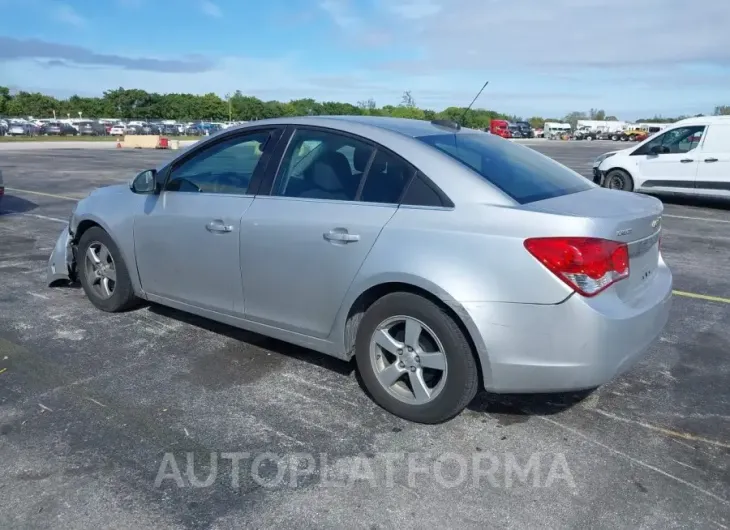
point(145, 182)
point(658, 149)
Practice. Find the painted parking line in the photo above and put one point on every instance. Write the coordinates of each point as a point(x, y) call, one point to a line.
point(34, 216)
point(44, 194)
point(705, 219)
point(705, 297)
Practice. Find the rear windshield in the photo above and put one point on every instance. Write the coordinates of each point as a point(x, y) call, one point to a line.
point(520, 172)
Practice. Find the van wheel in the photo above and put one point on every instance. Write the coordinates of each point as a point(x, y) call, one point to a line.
point(618, 179)
point(103, 273)
point(415, 360)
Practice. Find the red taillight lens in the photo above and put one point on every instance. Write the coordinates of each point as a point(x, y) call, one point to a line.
point(588, 265)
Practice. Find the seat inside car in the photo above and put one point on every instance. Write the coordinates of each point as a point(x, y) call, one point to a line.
point(326, 177)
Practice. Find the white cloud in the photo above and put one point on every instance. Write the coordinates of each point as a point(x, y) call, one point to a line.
point(413, 9)
point(340, 12)
point(68, 15)
point(569, 33)
point(211, 9)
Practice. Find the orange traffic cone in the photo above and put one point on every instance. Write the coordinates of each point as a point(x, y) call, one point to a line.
point(119, 143)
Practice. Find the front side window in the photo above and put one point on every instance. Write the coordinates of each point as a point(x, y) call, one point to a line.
point(320, 165)
point(225, 167)
point(522, 173)
point(674, 141)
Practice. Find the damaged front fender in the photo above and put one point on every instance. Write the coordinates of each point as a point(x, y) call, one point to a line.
point(62, 263)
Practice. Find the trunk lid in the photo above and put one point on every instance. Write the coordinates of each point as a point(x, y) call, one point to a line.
point(631, 218)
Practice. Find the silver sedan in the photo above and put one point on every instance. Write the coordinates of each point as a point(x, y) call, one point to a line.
point(443, 259)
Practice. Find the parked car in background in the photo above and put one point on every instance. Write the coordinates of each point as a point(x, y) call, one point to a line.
point(3, 127)
point(691, 157)
point(58, 129)
point(91, 128)
point(170, 130)
point(518, 275)
point(117, 130)
point(18, 128)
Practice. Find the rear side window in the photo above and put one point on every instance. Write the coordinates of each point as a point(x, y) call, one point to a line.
point(421, 193)
point(520, 172)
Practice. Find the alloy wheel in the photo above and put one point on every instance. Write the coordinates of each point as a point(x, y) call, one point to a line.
point(408, 360)
point(101, 271)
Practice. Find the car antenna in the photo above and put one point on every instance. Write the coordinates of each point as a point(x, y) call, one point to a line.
point(466, 111)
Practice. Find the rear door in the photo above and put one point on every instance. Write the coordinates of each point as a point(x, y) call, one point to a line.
point(303, 244)
point(676, 165)
point(713, 173)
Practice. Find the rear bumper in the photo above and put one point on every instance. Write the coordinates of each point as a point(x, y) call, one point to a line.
point(61, 264)
point(577, 344)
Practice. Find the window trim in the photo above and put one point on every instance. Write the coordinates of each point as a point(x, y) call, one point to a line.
point(267, 183)
point(165, 175)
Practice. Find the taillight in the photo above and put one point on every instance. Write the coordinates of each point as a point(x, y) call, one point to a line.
point(588, 265)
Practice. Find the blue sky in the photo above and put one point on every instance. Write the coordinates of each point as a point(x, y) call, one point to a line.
point(632, 58)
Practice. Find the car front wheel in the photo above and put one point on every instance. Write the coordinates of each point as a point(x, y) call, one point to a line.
point(415, 360)
point(618, 179)
point(103, 273)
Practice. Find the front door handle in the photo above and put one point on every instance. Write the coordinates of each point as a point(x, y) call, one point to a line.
point(710, 160)
point(685, 160)
point(218, 227)
point(341, 235)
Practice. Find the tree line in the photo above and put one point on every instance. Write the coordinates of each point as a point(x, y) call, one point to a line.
point(139, 104)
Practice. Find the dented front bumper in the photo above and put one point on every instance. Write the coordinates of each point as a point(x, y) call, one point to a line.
point(62, 263)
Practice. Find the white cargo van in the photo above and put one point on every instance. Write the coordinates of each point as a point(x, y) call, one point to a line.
point(690, 156)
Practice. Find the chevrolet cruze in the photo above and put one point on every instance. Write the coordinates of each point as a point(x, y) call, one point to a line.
point(443, 259)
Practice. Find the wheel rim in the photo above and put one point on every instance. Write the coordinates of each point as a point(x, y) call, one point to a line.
point(408, 360)
point(101, 271)
point(616, 182)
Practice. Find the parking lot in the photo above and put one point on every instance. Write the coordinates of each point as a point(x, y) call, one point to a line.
point(91, 403)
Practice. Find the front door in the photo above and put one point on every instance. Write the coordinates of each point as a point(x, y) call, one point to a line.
point(676, 162)
point(187, 241)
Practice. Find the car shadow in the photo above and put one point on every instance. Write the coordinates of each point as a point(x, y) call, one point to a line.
point(509, 409)
point(334, 364)
point(10, 204)
point(698, 202)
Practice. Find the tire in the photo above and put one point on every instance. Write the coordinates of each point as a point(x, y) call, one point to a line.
point(618, 179)
point(451, 388)
point(614, 138)
point(121, 294)
point(589, 138)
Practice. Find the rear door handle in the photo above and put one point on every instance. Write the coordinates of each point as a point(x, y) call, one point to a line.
point(710, 160)
point(685, 160)
point(218, 227)
point(341, 236)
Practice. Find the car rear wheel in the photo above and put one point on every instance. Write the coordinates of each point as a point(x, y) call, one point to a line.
point(103, 273)
point(618, 179)
point(415, 360)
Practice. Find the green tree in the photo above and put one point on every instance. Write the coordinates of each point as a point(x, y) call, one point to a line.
point(722, 110)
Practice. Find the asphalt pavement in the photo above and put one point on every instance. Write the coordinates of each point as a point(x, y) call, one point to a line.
point(117, 420)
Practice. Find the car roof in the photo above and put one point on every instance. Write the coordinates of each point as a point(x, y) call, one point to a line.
point(703, 120)
point(404, 126)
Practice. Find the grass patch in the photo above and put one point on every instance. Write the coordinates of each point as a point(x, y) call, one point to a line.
point(8, 139)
